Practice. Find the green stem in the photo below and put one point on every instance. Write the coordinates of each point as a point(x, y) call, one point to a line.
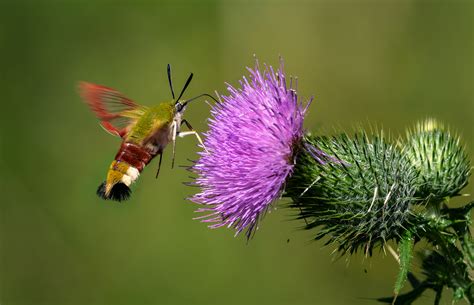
point(446, 232)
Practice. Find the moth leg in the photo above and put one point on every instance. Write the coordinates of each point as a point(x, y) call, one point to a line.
point(159, 165)
point(175, 132)
point(191, 132)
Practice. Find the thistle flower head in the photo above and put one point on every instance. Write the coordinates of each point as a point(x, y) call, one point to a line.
point(439, 157)
point(253, 135)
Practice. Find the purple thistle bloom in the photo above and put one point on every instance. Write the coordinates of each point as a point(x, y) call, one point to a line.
point(251, 145)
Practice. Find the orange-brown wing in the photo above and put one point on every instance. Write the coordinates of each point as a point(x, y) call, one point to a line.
point(115, 111)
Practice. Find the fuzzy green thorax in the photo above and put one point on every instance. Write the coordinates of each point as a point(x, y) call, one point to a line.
point(153, 119)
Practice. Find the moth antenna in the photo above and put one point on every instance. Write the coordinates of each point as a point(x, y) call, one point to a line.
point(185, 86)
point(169, 80)
point(201, 95)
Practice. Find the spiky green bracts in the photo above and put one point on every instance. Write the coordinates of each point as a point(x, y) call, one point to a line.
point(438, 156)
point(361, 201)
point(372, 190)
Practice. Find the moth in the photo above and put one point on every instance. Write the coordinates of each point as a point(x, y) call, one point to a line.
point(145, 132)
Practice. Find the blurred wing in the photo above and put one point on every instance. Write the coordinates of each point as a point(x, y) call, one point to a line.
point(115, 111)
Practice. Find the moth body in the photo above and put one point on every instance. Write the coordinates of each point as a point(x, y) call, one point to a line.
point(145, 133)
point(146, 139)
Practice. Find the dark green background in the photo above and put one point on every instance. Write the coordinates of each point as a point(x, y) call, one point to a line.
point(389, 63)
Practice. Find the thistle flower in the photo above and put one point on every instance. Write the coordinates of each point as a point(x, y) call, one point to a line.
point(254, 133)
point(358, 192)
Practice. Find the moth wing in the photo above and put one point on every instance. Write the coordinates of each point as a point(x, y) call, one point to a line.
point(116, 112)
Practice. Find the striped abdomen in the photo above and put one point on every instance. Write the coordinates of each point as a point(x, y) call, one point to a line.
point(124, 170)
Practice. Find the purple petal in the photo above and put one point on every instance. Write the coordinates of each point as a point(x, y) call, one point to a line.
point(251, 142)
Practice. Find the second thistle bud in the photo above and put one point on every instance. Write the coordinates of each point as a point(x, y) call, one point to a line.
point(440, 159)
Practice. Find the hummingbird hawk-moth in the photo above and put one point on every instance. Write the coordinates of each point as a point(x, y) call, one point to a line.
point(145, 132)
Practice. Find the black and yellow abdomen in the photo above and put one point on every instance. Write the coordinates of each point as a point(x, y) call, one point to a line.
point(124, 170)
point(146, 138)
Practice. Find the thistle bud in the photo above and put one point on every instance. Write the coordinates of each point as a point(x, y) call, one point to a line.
point(441, 161)
point(360, 201)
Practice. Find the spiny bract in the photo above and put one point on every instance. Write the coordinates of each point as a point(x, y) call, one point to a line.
point(359, 202)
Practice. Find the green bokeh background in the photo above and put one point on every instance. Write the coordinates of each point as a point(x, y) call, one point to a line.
point(385, 62)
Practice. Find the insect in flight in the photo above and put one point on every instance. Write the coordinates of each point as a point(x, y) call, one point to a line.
point(145, 132)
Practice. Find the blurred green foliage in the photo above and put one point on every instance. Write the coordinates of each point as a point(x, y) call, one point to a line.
point(386, 62)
